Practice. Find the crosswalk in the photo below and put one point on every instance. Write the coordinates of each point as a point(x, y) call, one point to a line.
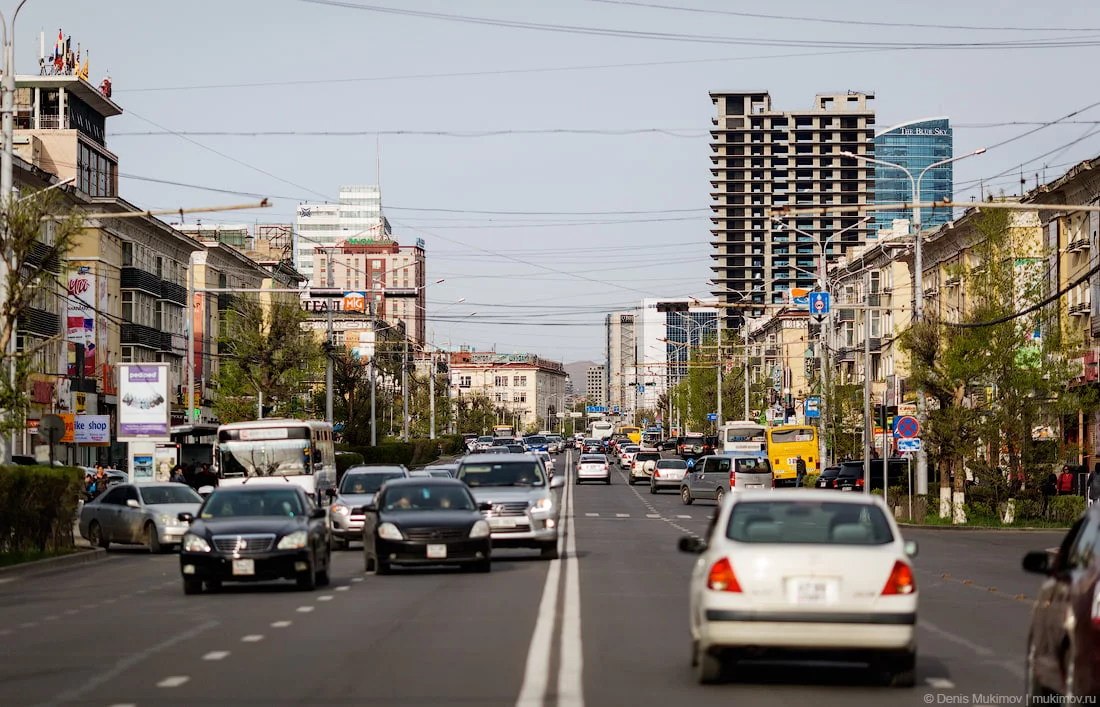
point(653, 516)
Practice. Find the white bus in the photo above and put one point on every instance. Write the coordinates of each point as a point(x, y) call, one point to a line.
point(743, 436)
point(601, 429)
point(277, 451)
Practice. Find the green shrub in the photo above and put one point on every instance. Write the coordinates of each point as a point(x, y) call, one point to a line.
point(346, 460)
point(810, 480)
point(37, 506)
point(1066, 509)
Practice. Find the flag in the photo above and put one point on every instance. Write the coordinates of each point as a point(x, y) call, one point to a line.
point(59, 50)
point(83, 72)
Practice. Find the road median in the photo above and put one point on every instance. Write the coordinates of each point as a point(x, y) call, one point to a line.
point(80, 556)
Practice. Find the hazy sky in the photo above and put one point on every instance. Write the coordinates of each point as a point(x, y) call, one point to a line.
point(610, 211)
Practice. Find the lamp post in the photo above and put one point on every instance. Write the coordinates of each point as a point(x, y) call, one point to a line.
point(918, 277)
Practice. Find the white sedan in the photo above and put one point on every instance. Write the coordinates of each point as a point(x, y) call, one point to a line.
point(593, 467)
point(796, 573)
point(547, 461)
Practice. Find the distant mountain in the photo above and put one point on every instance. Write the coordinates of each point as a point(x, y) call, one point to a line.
point(578, 373)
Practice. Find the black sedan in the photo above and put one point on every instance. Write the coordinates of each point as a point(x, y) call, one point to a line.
point(422, 521)
point(255, 533)
point(827, 480)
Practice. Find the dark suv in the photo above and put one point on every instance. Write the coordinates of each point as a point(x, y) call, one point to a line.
point(850, 476)
point(691, 446)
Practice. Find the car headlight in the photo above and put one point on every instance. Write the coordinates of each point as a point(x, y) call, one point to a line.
point(480, 530)
point(166, 520)
point(339, 509)
point(195, 543)
point(543, 505)
point(389, 531)
point(294, 541)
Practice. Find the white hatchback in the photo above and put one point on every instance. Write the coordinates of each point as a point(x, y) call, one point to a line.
point(593, 467)
point(795, 573)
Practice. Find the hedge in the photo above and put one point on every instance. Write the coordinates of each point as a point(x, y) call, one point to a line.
point(37, 506)
point(414, 453)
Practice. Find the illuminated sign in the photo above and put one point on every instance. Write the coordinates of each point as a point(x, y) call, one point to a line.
point(369, 241)
point(934, 132)
point(355, 302)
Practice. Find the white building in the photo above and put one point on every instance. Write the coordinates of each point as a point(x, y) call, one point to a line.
point(527, 391)
point(357, 215)
point(595, 378)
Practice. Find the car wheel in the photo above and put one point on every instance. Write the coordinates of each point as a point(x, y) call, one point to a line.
point(383, 567)
point(192, 586)
point(549, 551)
point(719, 495)
point(307, 580)
point(96, 537)
point(323, 578)
point(685, 496)
point(152, 539)
point(708, 667)
point(630, 479)
point(653, 489)
point(901, 669)
point(213, 585)
point(1070, 692)
point(608, 481)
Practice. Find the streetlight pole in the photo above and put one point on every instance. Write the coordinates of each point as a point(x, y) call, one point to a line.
point(918, 278)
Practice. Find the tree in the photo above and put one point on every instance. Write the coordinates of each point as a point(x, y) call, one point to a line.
point(351, 390)
point(475, 413)
point(35, 241)
point(265, 356)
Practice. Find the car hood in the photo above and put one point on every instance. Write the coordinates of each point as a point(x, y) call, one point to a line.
point(173, 509)
point(245, 525)
point(354, 499)
point(430, 519)
point(503, 494)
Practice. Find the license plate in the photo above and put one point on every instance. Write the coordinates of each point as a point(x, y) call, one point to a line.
point(811, 591)
point(244, 567)
point(754, 486)
point(846, 488)
point(502, 522)
point(437, 552)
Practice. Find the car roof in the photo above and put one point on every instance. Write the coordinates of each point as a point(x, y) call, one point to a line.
point(856, 499)
point(500, 458)
point(374, 468)
point(244, 488)
point(424, 480)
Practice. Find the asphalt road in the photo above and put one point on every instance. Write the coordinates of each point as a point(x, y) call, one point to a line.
point(605, 625)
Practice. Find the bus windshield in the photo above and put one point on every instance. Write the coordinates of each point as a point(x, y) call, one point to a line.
point(272, 457)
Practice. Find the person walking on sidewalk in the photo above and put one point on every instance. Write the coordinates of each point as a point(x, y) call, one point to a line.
point(800, 471)
point(1093, 487)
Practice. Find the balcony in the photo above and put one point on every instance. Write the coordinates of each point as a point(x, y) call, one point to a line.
point(1081, 309)
point(1078, 244)
point(173, 293)
point(141, 335)
point(137, 279)
point(846, 355)
point(40, 323)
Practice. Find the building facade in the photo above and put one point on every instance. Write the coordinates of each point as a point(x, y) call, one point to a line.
point(622, 359)
point(782, 345)
point(357, 215)
point(526, 391)
point(764, 158)
point(595, 379)
point(915, 145)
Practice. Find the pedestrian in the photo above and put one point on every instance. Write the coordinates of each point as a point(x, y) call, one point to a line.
point(97, 484)
point(800, 471)
point(188, 471)
point(1065, 482)
point(178, 476)
point(1094, 485)
point(206, 477)
point(1049, 489)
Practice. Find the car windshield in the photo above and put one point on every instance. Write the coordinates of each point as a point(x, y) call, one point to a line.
point(486, 440)
point(516, 449)
point(592, 442)
point(367, 481)
point(630, 448)
point(514, 473)
point(269, 457)
point(809, 523)
point(647, 457)
point(428, 497)
point(536, 439)
point(672, 464)
point(254, 502)
point(175, 493)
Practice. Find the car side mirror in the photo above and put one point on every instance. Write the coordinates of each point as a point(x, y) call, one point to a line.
point(692, 545)
point(331, 493)
point(317, 513)
point(370, 506)
point(485, 506)
point(132, 503)
point(185, 517)
point(557, 482)
point(1039, 562)
point(911, 548)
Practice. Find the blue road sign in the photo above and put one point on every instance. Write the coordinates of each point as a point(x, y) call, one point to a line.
point(645, 422)
point(595, 408)
point(615, 409)
point(911, 444)
point(813, 407)
point(906, 426)
point(641, 388)
point(711, 416)
point(819, 302)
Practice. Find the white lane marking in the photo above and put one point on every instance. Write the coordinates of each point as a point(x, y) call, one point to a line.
point(592, 515)
point(124, 704)
point(280, 624)
point(70, 612)
point(174, 681)
point(356, 579)
point(622, 515)
point(940, 683)
point(652, 515)
point(5, 580)
point(252, 638)
point(51, 618)
point(304, 609)
point(980, 650)
point(105, 676)
point(4, 631)
point(326, 597)
point(343, 589)
point(571, 660)
point(684, 517)
point(536, 674)
point(215, 655)
point(28, 624)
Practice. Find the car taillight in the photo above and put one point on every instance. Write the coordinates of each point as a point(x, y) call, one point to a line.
point(721, 577)
point(859, 481)
point(773, 480)
point(901, 580)
point(733, 479)
point(836, 483)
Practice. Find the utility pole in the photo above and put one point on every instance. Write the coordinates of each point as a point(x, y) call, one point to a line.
point(748, 362)
point(329, 348)
point(822, 357)
point(191, 340)
point(374, 353)
point(431, 393)
point(718, 420)
point(405, 389)
point(867, 427)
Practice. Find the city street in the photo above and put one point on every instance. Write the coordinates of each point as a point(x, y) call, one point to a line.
point(605, 625)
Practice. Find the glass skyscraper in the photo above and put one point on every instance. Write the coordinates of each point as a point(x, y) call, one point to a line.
point(914, 145)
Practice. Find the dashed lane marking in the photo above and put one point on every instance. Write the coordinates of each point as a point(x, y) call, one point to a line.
point(684, 517)
point(215, 655)
point(174, 681)
point(622, 515)
point(304, 609)
point(4, 631)
point(940, 683)
point(51, 618)
point(28, 624)
point(356, 579)
point(326, 597)
point(652, 515)
point(280, 624)
point(343, 588)
point(252, 638)
point(592, 515)
point(124, 704)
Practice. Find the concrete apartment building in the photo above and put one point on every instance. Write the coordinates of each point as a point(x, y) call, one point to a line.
point(764, 158)
point(595, 380)
point(622, 358)
point(527, 391)
point(357, 214)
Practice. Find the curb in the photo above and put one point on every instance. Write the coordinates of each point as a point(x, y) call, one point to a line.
point(985, 528)
point(80, 557)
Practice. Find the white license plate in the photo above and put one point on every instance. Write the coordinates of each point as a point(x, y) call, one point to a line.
point(502, 522)
point(437, 552)
point(811, 591)
point(846, 488)
point(244, 567)
point(754, 486)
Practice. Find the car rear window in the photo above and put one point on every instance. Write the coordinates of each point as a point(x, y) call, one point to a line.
point(672, 464)
point(753, 465)
point(647, 457)
point(808, 523)
point(592, 459)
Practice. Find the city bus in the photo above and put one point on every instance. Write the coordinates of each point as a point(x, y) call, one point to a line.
point(788, 442)
point(277, 451)
point(600, 429)
point(634, 434)
point(743, 436)
point(503, 431)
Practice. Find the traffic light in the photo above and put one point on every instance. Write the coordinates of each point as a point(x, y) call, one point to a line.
point(672, 306)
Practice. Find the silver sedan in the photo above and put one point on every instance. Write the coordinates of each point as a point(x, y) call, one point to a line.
point(139, 514)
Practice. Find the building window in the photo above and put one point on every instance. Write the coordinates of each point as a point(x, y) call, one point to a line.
point(127, 254)
point(158, 311)
point(876, 281)
point(519, 382)
point(464, 381)
point(876, 323)
point(128, 306)
point(519, 398)
point(127, 354)
point(500, 397)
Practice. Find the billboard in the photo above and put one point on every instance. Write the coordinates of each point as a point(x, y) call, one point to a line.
point(92, 429)
point(143, 401)
point(80, 319)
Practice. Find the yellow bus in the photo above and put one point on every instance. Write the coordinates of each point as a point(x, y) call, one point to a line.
point(788, 442)
point(503, 431)
point(634, 434)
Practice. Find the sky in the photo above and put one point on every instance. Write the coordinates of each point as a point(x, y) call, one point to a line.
point(553, 155)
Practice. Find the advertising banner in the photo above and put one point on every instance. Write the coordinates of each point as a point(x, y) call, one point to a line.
point(81, 318)
point(143, 401)
point(70, 424)
point(92, 429)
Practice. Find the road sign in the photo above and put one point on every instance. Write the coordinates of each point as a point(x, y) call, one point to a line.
point(595, 408)
point(906, 427)
point(560, 415)
point(576, 414)
point(51, 428)
point(909, 444)
point(813, 407)
point(819, 302)
point(615, 409)
point(645, 422)
point(711, 416)
point(641, 388)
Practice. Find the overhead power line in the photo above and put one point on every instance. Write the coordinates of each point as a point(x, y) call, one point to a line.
point(686, 133)
point(1027, 310)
